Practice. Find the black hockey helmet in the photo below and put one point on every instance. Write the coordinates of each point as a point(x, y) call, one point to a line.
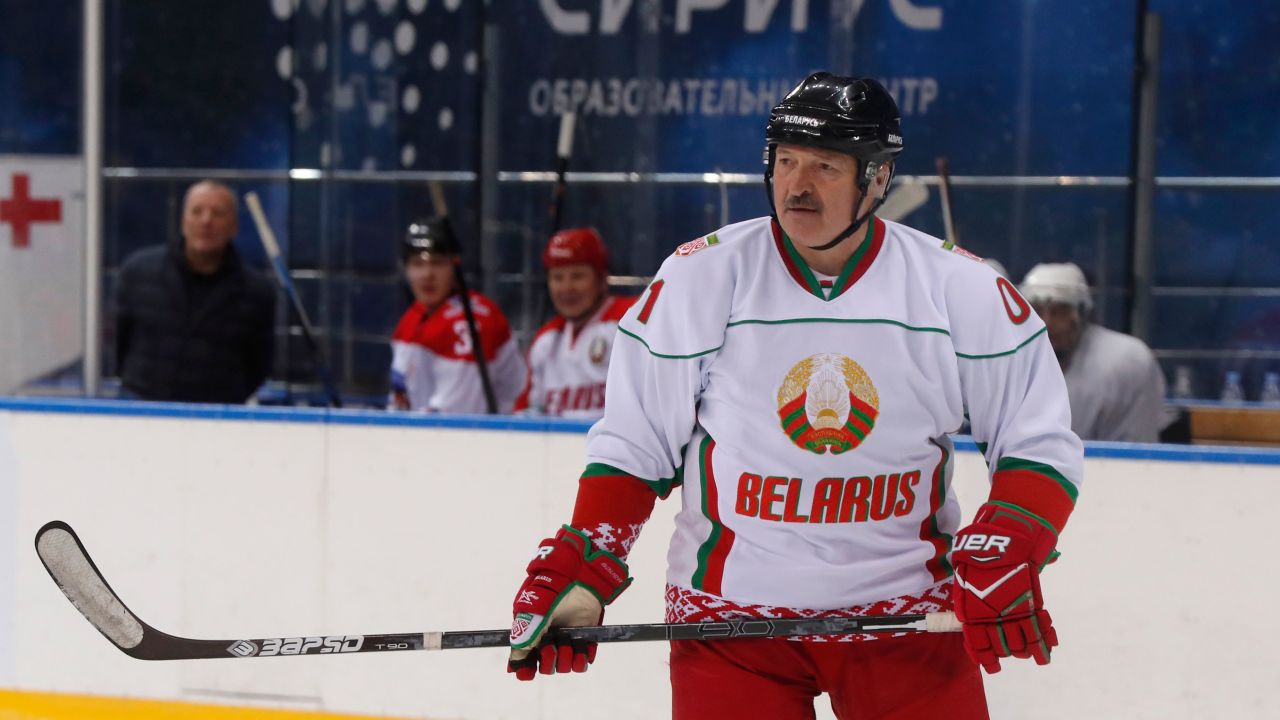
point(855, 116)
point(432, 236)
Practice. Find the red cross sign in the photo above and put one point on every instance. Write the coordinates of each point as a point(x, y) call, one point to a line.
point(23, 210)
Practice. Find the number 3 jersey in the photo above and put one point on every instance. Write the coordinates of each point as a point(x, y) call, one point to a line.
point(807, 418)
point(433, 363)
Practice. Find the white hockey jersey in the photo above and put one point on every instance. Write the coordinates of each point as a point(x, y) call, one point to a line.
point(569, 362)
point(1116, 387)
point(809, 426)
point(433, 360)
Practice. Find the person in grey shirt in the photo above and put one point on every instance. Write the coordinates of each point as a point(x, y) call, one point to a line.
point(1115, 385)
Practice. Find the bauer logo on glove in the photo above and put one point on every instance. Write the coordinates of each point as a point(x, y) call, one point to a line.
point(997, 593)
point(978, 541)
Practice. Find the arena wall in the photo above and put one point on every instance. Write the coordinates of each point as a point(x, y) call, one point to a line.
point(242, 522)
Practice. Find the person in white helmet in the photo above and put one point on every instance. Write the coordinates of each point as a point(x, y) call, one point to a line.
point(1114, 383)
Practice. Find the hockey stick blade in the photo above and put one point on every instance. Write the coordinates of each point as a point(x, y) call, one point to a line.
point(905, 199)
point(75, 573)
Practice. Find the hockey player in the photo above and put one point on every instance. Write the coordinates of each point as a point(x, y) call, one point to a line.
point(433, 364)
point(569, 356)
point(1114, 382)
point(797, 376)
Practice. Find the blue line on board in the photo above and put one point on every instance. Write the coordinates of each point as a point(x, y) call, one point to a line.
point(520, 423)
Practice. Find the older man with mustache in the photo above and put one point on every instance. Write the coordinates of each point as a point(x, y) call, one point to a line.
point(798, 377)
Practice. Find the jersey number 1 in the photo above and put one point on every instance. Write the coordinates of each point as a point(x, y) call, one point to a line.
point(654, 289)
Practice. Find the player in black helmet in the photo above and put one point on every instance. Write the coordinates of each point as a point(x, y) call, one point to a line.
point(430, 236)
point(430, 255)
point(826, 130)
point(798, 378)
point(434, 366)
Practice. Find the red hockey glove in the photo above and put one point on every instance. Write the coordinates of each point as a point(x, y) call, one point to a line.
point(997, 586)
point(569, 584)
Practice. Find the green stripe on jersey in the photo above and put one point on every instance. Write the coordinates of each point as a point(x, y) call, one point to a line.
point(661, 487)
point(1021, 345)
point(690, 356)
point(1016, 463)
point(704, 550)
point(854, 321)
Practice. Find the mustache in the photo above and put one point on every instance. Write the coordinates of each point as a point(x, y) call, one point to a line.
point(804, 201)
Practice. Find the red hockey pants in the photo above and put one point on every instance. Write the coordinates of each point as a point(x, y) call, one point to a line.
point(903, 678)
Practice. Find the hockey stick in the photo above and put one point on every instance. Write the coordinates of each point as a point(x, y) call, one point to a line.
point(80, 580)
point(272, 247)
point(564, 149)
point(482, 365)
point(555, 210)
point(944, 189)
point(905, 199)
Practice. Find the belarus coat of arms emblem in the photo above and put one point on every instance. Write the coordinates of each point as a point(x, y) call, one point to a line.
point(827, 403)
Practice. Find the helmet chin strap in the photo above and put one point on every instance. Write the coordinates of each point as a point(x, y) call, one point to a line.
point(857, 221)
point(853, 227)
point(771, 152)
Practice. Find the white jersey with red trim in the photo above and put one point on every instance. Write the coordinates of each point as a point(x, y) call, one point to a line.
point(569, 362)
point(433, 363)
point(809, 426)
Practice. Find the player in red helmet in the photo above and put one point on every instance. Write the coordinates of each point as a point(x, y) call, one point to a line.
point(569, 357)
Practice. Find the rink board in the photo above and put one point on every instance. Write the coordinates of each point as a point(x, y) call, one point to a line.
point(237, 522)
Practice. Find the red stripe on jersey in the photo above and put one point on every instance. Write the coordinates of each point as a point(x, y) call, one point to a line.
point(796, 273)
point(937, 565)
point(713, 554)
point(869, 256)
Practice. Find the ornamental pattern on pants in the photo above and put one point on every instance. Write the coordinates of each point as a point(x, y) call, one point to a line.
point(692, 606)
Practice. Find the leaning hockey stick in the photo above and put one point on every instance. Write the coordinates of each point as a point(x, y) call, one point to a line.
point(564, 151)
point(944, 190)
point(268, 238)
point(555, 210)
point(477, 349)
point(80, 580)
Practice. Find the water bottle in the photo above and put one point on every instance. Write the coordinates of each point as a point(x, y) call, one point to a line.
point(1182, 385)
point(1232, 391)
point(1271, 389)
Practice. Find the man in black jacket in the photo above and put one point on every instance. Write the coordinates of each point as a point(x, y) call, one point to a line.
point(193, 322)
